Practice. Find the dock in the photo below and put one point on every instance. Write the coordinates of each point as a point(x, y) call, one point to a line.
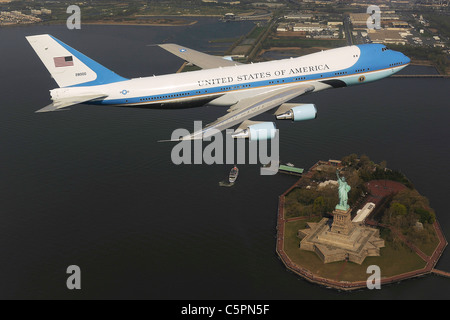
point(441, 273)
point(291, 170)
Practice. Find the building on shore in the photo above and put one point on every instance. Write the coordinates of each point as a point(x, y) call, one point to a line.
point(386, 37)
point(359, 19)
point(284, 27)
point(363, 213)
point(299, 16)
point(308, 27)
point(17, 17)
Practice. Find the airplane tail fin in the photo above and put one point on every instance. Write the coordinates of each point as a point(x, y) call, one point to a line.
point(69, 67)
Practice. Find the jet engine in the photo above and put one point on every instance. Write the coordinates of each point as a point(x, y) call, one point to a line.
point(296, 112)
point(255, 131)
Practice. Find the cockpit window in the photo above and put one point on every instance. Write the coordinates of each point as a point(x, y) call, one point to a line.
point(384, 49)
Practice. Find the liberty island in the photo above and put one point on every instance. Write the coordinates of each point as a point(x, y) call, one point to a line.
point(336, 251)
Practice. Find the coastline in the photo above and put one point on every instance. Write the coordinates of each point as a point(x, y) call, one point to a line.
point(135, 23)
point(102, 23)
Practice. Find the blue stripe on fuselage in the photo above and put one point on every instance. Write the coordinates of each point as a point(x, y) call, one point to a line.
point(372, 58)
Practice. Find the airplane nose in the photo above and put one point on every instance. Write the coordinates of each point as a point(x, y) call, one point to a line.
point(407, 60)
point(403, 59)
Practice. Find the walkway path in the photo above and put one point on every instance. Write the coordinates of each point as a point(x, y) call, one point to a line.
point(441, 273)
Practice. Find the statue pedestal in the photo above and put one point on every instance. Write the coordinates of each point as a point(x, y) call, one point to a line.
point(343, 241)
point(342, 222)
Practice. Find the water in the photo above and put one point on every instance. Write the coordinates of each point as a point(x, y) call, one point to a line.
point(93, 187)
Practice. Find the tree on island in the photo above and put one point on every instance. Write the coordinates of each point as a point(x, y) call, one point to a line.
point(406, 208)
point(319, 207)
point(425, 216)
point(368, 170)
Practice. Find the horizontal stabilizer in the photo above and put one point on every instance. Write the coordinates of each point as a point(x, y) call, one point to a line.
point(49, 108)
point(66, 102)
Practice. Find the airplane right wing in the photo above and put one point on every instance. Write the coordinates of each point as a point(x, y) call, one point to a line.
point(249, 108)
point(56, 105)
point(200, 59)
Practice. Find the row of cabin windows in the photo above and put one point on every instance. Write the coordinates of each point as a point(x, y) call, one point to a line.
point(167, 96)
point(235, 87)
point(277, 81)
point(175, 95)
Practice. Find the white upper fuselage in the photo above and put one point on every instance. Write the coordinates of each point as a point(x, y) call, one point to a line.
point(226, 85)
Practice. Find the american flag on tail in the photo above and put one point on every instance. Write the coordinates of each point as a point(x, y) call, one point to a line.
point(63, 61)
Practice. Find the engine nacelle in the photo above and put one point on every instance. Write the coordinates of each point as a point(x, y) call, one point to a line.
point(297, 112)
point(257, 131)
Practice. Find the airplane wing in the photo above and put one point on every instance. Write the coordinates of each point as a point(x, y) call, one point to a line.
point(248, 108)
point(200, 59)
point(56, 105)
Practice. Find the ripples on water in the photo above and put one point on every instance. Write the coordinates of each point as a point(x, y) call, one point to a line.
point(92, 187)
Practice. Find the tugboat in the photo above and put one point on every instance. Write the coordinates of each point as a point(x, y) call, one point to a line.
point(233, 174)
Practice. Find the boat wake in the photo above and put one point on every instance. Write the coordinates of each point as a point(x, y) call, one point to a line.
point(226, 183)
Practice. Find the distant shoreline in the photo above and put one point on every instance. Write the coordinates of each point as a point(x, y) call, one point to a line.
point(136, 23)
point(106, 23)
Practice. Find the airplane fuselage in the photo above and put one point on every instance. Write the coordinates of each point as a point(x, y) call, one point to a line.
point(225, 86)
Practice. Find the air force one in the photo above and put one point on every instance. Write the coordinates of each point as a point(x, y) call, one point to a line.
point(246, 89)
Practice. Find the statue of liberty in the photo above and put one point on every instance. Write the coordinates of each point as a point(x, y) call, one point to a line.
point(343, 189)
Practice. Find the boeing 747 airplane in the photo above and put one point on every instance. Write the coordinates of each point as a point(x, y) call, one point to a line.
point(246, 89)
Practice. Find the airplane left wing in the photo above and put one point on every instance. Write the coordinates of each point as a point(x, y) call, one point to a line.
point(250, 107)
point(200, 59)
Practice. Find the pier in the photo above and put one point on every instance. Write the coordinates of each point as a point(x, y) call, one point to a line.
point(441, 273)
point(290, 170)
